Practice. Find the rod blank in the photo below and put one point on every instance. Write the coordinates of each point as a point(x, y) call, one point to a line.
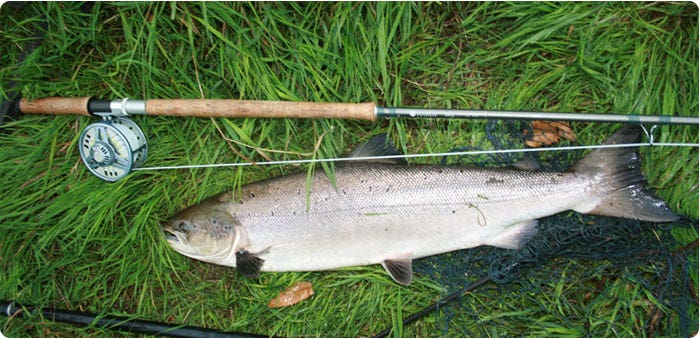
point(383, 112)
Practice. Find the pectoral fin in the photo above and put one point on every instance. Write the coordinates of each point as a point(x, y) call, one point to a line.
point(399, 269)
point(248, 264)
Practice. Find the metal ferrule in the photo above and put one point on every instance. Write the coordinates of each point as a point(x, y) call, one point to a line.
point(126, 106)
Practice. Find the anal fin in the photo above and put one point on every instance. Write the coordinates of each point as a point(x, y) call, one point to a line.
point(514, 236)
point(400, 270)
point(248, 264)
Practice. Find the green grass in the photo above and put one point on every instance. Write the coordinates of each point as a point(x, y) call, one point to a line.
point(69, 240)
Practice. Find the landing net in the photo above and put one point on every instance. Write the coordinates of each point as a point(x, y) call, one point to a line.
point(577, 262)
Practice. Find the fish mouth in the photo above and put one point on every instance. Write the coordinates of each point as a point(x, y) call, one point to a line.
point(170, 235)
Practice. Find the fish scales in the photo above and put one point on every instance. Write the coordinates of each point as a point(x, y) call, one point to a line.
point(392, 213)
point(386, 208)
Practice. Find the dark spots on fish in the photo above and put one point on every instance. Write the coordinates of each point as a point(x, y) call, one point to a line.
point(387, 190)
point(454, 211)
point(294, 212)
point(386, 229)
point(345, 193)
point(461, 170)
point(217, 226)
point(272, 213)
point(298, 191)
point(494, 180)
point(228, 228)
point(370, 188)
point(252, 195)
point(440, 170)
point(185, 226)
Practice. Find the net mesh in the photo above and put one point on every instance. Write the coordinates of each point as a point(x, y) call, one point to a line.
point(592, 255)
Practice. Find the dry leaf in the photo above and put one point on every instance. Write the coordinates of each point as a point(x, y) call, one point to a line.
point(292, 295)
point(545, 133)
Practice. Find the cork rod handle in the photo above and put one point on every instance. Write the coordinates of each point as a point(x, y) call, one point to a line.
point(55, 106)
point(215, 108)
point(259, 109)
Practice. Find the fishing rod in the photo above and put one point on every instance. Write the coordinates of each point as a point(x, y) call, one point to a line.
point(115, 146)
point(10, 309)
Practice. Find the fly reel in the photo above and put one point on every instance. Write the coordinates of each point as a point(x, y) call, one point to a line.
point(113, 147)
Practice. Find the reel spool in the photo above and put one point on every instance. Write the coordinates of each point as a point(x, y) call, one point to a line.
point(113, 147)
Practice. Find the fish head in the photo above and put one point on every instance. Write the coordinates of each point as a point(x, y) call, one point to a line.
point(207, 232)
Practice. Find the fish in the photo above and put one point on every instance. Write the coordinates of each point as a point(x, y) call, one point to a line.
point(392, 213)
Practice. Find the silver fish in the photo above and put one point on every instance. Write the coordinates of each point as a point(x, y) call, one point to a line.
point(393, 213)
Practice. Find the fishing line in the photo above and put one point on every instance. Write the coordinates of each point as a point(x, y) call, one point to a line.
point(410, 156)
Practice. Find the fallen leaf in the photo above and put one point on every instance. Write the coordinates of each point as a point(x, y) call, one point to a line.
point(545, 133)
point(292, 295)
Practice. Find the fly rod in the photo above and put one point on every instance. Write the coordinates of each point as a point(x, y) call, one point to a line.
point(114, 146)
point(10, 309)
point(229, 108)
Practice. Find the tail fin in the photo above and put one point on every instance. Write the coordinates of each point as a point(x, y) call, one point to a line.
point(621, 182)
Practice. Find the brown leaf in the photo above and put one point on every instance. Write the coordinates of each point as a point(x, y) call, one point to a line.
point(545, 133)
point(292, 295)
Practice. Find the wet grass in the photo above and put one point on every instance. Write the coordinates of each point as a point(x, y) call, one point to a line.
point(72, 241)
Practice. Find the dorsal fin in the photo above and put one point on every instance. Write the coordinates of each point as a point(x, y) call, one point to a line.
point(526, 164)
point(378, 145)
